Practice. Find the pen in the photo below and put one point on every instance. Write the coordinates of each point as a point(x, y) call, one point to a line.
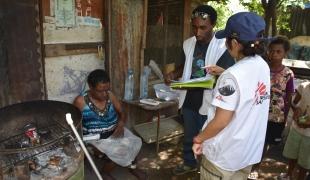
point(205, 68)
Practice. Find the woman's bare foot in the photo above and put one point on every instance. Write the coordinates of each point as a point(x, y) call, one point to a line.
point(141, 175)
point(107, 176)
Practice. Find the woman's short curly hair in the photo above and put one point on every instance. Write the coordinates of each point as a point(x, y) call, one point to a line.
point(97, 76)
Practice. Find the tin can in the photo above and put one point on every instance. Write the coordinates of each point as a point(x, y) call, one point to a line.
point(31, 133)
point(24, 142)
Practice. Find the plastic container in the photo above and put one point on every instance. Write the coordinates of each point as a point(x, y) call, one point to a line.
point(164, 92)
point(129, 85)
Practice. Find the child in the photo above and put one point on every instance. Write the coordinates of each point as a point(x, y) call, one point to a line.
point(282, 88)
point(297, 146)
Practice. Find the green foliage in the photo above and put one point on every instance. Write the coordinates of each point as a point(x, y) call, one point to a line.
point(253, 6)
point(223, 13)
point(283, 21)
point(283, 12)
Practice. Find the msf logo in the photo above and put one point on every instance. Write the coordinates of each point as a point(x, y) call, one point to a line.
point(260, 93)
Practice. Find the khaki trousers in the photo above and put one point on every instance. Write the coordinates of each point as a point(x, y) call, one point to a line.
point(209, 171)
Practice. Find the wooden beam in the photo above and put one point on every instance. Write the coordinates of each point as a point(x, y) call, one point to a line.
point(144, 29)
point(79, 46)
point(54, 50)
point(187, 19)
point(107, 38)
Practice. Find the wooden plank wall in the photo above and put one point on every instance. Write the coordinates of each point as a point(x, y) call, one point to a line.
point(127, 24)
point(187, 19)
point(72, 50)
point(75, 40)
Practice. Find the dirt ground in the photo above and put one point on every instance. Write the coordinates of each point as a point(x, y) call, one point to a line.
point(159, 166)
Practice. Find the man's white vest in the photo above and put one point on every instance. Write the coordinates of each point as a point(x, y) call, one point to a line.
point(215, 51)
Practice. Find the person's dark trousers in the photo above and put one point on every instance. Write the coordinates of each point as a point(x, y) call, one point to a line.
point(193, 123)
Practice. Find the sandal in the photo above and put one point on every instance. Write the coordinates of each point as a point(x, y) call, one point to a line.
point(183, 169)
point(139, 174)
point(253, 175)
point(283, 176)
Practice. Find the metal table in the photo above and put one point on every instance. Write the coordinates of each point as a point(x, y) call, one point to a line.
point(160, 130)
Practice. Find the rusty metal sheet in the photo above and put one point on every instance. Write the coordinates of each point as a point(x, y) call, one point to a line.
point(23, 45)
point(3, 61)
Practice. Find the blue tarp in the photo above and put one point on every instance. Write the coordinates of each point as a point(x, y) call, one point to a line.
point(299, 52)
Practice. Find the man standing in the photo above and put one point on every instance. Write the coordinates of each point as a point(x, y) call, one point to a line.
point(201, 50)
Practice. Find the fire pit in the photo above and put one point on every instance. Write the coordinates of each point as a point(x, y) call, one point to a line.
point(37, 143)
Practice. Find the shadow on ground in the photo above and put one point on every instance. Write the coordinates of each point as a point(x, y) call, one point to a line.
point(159, 166)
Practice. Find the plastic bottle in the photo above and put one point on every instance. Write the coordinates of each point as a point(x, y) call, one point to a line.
point(129, 85)
point(144, 82)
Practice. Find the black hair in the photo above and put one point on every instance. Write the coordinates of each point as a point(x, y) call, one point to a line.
point(97, 76)
point(283, 40)
point(250, 48)
point(208, 10)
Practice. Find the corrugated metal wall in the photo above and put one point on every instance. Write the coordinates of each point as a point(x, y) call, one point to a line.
point(22, 67)
point(300, 22)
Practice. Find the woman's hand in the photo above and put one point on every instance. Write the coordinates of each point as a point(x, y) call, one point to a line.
point(119, 130)
point(197, 149)
point(214, 70)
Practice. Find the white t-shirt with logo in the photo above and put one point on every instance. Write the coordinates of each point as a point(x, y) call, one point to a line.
point(245, 89)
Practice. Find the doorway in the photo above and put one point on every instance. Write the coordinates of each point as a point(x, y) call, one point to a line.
point(164, 36)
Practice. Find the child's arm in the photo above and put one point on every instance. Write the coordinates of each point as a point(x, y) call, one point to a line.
point(119, 130)
point(294, 105)
point(289, 93)
point(289, 99)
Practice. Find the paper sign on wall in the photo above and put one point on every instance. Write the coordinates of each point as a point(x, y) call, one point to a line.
point(65, 13)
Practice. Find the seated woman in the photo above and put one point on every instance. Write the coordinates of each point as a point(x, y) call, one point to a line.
point(104, 123)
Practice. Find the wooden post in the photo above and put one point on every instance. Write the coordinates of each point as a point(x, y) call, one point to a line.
point(187, 19)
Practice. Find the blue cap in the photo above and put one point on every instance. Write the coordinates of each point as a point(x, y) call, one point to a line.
point(245, 26)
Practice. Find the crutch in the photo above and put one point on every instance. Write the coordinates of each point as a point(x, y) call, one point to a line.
point(70, 122)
